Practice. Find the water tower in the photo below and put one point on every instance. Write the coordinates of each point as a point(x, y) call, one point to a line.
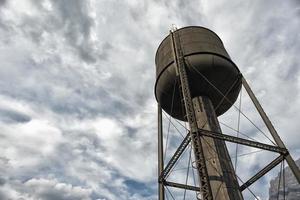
point(196, 81)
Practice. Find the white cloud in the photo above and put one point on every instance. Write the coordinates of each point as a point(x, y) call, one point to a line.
point(77, 109)
point(48, 189)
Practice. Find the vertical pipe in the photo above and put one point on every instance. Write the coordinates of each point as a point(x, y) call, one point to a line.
point(161, 191)
point(222, 177)
point(272, 130)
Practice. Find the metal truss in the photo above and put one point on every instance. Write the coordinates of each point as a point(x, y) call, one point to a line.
point(283, 152)
point(281, 149)
point(220, 136)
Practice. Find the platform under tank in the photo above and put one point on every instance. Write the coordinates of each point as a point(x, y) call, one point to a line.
point(210, 70)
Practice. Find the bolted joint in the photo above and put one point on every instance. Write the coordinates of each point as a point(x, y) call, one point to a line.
point(161, 179)
point(285, 152)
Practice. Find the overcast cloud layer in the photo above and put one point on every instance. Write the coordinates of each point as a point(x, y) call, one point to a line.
point(77, 108)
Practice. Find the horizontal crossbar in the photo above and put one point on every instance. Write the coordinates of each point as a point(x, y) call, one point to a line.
point(182, 186)
point(229, 138)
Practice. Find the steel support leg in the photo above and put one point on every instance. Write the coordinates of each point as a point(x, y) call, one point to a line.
point(272, 130)
point(161, 191)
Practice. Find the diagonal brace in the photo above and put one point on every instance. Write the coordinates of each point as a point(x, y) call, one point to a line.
point(262, 172)
point(175, 157)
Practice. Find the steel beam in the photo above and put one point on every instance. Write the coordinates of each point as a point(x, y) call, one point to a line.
point(272, 130)
point(161, 189)
point(243, 141)
point(262, 172)
point(196, 140)
point(182, 186)
point(175, 157)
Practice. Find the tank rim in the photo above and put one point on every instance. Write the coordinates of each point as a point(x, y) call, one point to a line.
point(182, 29)
point(155, 86)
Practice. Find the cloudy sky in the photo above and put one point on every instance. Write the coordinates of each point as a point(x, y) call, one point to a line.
point(77, 107)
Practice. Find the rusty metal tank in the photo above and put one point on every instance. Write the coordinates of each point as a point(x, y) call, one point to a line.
point(211, 72)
